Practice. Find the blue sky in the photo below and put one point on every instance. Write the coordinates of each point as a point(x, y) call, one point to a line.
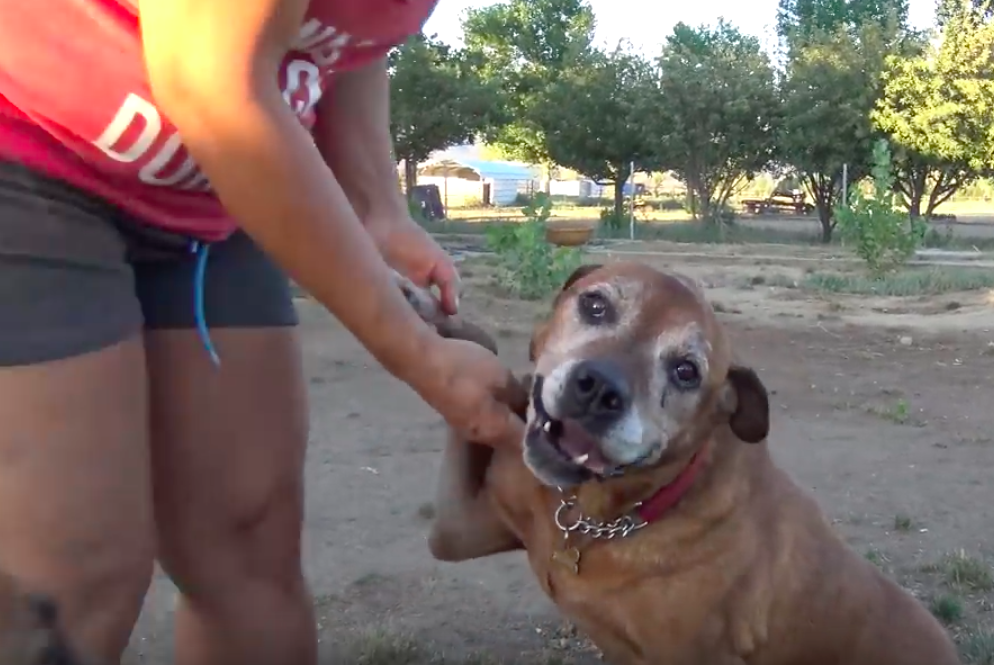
point(647, 22)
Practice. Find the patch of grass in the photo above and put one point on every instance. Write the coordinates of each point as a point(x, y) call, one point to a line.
point(903, 523)
point(712, 234)
point(876, 557)
point(977, 647)
point(967, 572)
point(897, 412)
point(677, 228)
point(382, 647)
point(910, 282)
point(947, 608)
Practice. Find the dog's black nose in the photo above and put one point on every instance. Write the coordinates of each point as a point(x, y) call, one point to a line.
point(596, 393)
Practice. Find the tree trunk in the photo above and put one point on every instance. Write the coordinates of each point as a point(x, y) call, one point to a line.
point(619, 198)
point(621, 177)
point(917, 185)
point(823, 190)
point(692, 203)
point(946, 185)
point(915, 202)
point(410, 178)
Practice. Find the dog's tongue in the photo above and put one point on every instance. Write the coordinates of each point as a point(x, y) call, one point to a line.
point(576, 442)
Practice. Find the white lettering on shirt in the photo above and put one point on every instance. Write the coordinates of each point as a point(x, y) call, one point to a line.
point(166, 161)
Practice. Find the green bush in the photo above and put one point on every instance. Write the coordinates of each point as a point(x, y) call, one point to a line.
point(528, 265)
point(880, 234)
point(612, 221)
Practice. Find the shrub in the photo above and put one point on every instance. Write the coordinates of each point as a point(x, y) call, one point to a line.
point(880, 234)
point(528, 265)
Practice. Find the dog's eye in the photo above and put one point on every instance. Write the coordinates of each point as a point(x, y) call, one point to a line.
point(594, 307)
point(685, 374)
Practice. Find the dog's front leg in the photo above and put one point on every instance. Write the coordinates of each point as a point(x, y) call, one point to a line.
point(467, 525)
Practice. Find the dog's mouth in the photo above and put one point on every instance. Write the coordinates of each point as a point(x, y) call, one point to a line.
point(568, 438)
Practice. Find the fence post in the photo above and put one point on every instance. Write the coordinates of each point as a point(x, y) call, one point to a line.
point(631, 204)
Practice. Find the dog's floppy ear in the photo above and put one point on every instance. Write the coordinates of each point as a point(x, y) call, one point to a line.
point(747, 404)
point(539, 337)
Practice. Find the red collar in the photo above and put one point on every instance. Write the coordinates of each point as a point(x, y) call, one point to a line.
point(668, 496)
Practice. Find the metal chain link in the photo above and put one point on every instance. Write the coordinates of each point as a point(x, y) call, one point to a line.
point(622, 526)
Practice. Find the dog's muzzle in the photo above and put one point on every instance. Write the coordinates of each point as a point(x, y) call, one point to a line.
point(592, 401)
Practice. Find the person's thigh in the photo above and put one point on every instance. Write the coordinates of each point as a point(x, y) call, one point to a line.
point(75, 491)
point(228, 448)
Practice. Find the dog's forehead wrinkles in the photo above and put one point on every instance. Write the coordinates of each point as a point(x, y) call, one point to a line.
point(572, 334)
point(687, 338)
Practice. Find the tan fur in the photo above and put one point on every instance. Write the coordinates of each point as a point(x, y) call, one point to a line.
point(745, 569)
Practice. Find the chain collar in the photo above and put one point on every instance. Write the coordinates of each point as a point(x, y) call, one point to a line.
point(621, 527)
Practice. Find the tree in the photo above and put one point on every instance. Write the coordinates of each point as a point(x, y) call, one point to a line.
point(799, 21)
point(524, 46)
point(596, 117)
point(938, 109)
point(436, 101)
point(830, 86)
point(717, 111)
point(947, 8)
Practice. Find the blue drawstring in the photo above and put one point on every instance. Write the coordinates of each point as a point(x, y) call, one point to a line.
point(202, 250)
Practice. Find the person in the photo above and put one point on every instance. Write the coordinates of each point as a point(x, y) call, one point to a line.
point(164, 165)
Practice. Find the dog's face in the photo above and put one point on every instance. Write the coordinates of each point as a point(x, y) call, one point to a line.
point(632, 368)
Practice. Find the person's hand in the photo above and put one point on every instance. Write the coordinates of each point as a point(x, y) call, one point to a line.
point(473, 391)
point(411, 251)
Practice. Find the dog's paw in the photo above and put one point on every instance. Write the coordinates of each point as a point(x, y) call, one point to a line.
point(426, 306)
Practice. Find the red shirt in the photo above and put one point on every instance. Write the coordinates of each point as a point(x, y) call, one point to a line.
point(75, 101)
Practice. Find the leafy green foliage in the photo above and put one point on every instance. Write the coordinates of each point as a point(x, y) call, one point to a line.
point(947, 8)
point(938, 108)
point(830, 86)
point(436, 100)
point(798, 21)
point(716, 111)
point(524, 46)
point(528, 266)
point(596, 117)
point(884, 237)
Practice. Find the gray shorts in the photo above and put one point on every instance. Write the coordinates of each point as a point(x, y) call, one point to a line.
point(78, 275)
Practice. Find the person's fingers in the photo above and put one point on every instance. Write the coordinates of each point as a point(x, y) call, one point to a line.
point(446, 278)
point(497, 428)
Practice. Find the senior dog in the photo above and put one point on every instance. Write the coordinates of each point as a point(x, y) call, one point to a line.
point(647, 501)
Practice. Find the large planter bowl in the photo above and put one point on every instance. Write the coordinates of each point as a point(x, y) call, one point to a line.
point(569, 236)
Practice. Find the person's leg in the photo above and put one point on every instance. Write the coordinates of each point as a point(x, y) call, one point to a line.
point(228, 448)
point(75, 492)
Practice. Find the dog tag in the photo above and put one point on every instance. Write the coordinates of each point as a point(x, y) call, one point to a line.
point(569, 558)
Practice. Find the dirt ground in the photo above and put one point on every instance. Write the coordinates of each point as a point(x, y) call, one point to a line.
point(882, 408)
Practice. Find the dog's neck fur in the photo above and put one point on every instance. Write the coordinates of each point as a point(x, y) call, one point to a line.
point(606, 500)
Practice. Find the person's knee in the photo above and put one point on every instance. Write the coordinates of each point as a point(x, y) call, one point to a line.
point(214, 555)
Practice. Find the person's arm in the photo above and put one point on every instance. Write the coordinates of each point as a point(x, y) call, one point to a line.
point(213, 70)
point(353, 135)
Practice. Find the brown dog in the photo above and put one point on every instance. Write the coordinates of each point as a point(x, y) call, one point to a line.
point(29, 630)
point(649, 506)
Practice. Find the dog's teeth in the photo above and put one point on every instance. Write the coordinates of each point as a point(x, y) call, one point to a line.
point(547, 427)
point(582, 459)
